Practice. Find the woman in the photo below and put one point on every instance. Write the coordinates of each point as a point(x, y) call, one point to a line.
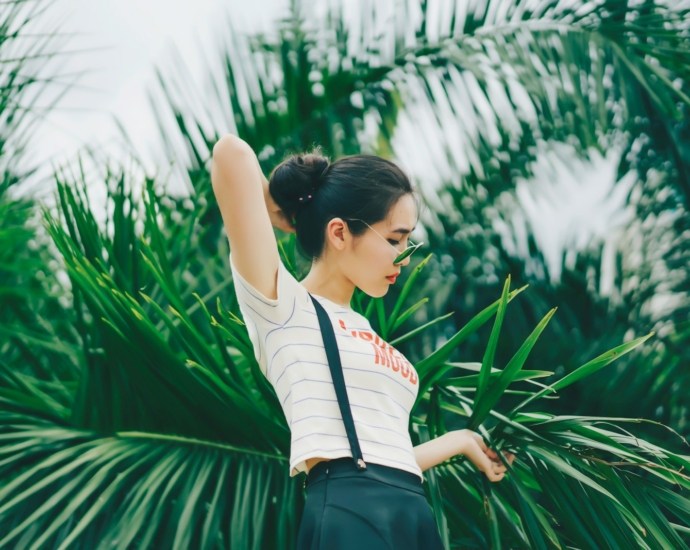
point(353, 219)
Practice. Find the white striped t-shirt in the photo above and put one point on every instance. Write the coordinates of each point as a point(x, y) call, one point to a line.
point(381, 383)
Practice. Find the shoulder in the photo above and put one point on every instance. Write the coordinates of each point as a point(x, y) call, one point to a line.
point(291, 295)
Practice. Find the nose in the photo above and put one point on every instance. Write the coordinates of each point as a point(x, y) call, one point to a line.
point(404, 262)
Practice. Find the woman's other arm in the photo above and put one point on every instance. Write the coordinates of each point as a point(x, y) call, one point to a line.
point(464, 442)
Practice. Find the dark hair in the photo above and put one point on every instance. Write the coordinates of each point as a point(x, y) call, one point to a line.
point(355, 186)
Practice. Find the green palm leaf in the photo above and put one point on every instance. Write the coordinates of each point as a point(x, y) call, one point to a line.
point(87, 491)
point(164, 433)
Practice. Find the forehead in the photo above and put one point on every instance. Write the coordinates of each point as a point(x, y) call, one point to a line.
point(402, 216)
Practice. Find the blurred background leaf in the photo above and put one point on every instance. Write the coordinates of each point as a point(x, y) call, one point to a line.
point(128, 384)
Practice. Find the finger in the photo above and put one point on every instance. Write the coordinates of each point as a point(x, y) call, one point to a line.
point(484, 464)
point(496, 477)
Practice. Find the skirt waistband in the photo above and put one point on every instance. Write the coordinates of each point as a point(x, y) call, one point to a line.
point(345, 467)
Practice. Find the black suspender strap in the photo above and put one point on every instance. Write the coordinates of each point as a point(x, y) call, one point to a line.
point(338, 381)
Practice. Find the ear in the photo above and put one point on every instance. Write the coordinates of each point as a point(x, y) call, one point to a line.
point(337, 233)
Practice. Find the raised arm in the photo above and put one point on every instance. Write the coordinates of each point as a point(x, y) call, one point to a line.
point(241, 191)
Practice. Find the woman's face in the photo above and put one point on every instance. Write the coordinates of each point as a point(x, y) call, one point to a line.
point(367, 260)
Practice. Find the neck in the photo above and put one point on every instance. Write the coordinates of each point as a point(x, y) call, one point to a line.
point(328, 281)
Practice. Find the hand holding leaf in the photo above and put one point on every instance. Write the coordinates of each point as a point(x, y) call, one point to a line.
point(485, 459)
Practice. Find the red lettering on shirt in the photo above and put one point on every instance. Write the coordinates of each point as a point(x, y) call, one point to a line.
point(385, 354)
point(379, 357)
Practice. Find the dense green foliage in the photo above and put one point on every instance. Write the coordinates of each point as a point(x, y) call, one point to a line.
point(133, 413)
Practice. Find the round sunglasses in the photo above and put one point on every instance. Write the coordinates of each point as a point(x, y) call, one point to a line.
point(409, 250)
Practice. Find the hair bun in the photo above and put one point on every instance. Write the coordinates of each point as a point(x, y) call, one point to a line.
point(295, 177)
point(313, 165)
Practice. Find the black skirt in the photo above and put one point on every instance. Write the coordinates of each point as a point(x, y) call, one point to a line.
point(379, 508)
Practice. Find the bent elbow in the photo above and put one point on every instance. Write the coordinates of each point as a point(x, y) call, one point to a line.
point(229, 144)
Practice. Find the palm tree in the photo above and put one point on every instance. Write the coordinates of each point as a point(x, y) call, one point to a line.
point(37, 333)
point(173, 438)
point(173, 424)
point(492, 83)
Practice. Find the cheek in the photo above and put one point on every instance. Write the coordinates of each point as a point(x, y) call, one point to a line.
point(383, 266)
point(373, 263)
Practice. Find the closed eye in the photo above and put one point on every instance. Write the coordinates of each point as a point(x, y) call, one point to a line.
point(393, 242)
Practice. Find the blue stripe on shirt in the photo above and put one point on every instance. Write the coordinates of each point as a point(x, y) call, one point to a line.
point(351, 405)
point(360, 439)
point(348, 387)
point(391, 378)
point(396, 432)
point(249, 291)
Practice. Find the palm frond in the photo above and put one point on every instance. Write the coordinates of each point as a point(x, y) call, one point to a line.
point(481, 86)
point(75, 488)
point(193, 380)
point(593, 486)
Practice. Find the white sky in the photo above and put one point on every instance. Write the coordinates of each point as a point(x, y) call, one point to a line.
point(127, 39)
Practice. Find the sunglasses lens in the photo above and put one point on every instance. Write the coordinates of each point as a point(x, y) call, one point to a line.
point(406, 253)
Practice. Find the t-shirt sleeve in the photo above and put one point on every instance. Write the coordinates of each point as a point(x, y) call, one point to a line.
point(262, 314)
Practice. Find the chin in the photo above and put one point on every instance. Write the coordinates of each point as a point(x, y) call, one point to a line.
point(376, 291)
point(378, 294)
